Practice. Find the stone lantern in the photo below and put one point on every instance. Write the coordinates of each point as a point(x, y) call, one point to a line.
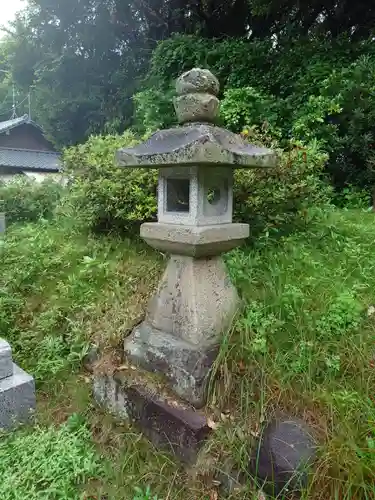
point(195, 301)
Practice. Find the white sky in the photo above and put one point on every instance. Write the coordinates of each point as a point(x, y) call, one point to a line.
point(8, 8)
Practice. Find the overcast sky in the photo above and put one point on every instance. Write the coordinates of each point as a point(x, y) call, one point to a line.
point(8, 8)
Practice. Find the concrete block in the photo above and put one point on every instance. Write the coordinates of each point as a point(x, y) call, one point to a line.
point(6, 363)
point(17, 399)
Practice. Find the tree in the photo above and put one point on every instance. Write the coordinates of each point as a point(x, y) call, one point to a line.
point(86, 59)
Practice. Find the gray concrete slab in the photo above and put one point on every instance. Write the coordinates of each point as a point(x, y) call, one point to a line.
point(17, 399)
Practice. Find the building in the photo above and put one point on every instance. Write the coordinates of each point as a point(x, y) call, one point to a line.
point(24, 150)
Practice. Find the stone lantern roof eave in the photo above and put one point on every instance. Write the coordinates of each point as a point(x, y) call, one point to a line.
point(196, 145)
point(193, 163)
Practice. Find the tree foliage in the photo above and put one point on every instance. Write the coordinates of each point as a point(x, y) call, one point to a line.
point(85, 60)
point(305, 89)
point(102, 66)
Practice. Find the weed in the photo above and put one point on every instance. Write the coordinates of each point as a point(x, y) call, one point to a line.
point(60, 290)
point(144, 494)
point(47, 462)
point(304, 346)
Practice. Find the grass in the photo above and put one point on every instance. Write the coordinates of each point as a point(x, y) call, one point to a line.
point(303, 344)
point(47, 463)
point(62, 290)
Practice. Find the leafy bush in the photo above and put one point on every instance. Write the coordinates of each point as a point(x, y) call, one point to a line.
point(23, 199)
point(246, 107)
point(277, 199)
point(47, 463)
point(154, 109)
point(352, 197)
point(102, 195)
point(341, 114)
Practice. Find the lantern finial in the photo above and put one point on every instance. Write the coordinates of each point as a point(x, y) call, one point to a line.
point(196, 100)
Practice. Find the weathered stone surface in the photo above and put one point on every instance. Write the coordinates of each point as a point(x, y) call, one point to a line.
point(91, 357)
point(194, 241)
point(199, 143)
point(178, 430)
point(17, 399)
point(197, 80)
point(194, 304)
point(230, 478)
point(284, 454)
point(107, 393)
point(196, 144)
point(6, 363)
point(198, 183)
point(185, 366)
point(197, 108)
point(195, 301)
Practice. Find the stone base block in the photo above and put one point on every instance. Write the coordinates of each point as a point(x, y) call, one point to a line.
point(17, 399)
point(173, 428)
point(6, 363)
point(194, 241)
point(184, 365)
point(195, 301)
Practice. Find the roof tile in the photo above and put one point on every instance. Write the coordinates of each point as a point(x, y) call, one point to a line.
point(29, 159)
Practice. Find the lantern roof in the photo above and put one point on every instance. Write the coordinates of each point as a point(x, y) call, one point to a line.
point(198, 141)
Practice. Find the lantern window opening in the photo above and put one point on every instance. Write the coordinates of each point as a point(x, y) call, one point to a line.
point(177, 195)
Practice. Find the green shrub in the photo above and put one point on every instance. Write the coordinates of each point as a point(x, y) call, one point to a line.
point(352, 197)
point(102, 195)
point(275, 200)
point(341, 113)
point(154, 109)
point(25, 200)
point(246, 106)
point(48, 463)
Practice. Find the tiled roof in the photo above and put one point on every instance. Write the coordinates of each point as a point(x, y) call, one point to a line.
point(26, 159)
point(16, 122)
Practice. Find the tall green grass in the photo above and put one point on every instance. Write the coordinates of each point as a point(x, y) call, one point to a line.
point(62, 289)
point(304, 345)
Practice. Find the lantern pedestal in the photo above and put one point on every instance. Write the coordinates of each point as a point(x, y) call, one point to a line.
point(194, 304)
point(184, 365)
